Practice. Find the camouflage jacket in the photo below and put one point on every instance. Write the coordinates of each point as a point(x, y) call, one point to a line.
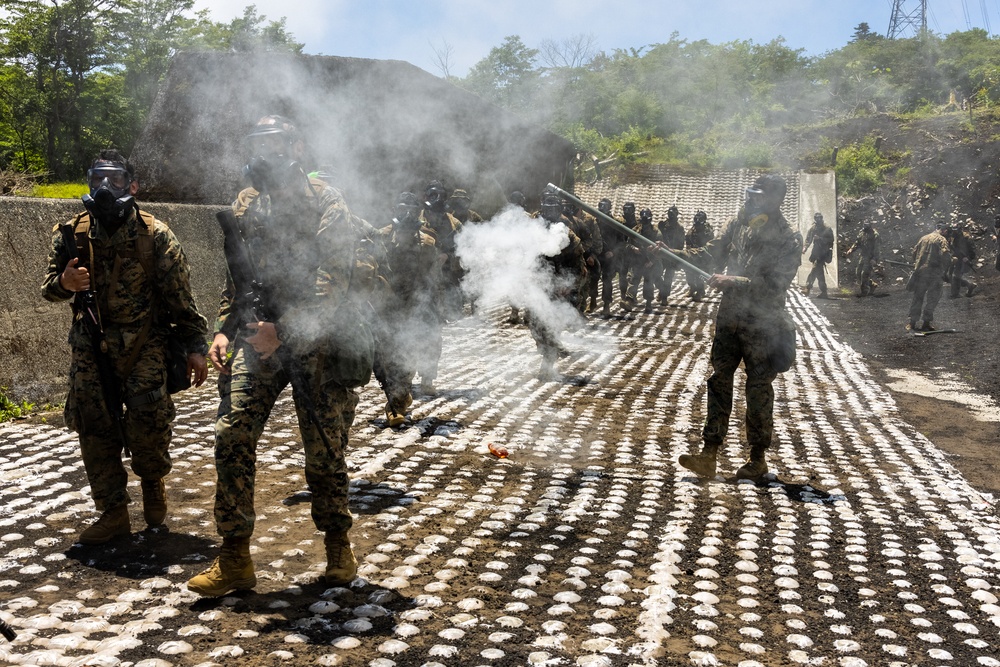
point(822, 241)
point(127, 295)
point(589, 233)
point(672, 234)
point(699, 235)
point(304, 248)
point(768, 252)
point(962, 248)
point(868, 246)
point(931, 256)
point(414, 270)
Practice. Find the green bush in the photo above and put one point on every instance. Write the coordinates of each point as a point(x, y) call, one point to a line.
point(860, 168)
point(11, 410)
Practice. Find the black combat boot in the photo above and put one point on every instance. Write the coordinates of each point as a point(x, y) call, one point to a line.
point(702, 464)
point(755, 467)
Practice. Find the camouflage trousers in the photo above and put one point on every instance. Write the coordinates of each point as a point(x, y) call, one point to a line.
point(609, 267)
point(594, 279)
point(926, 294)
point(410, 343)
point(817, 274)
point(648, 273)
point(735, 343)
point(146, 427)
point(864, 274)
point(247, 396)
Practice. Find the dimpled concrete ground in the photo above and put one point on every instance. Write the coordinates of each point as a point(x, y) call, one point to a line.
point(589, 545)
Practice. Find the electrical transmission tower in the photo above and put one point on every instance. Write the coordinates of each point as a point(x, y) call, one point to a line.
point(906, 15)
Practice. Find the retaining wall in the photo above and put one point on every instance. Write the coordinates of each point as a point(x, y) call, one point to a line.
point(34, 355)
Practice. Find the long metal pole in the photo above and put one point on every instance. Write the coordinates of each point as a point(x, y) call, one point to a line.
point(631, 232)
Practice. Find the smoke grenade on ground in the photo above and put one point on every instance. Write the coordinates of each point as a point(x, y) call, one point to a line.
point(505, 259)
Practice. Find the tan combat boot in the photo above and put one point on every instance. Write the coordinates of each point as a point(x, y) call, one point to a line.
point(755, 467)
point(231, 571)
point(702, 464)
point(154, 502)
point(113, 523)
point(341, 565)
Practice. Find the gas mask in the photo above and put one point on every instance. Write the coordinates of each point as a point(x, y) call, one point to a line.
point(271, 166)
point(459, 205)
point(109, 201)
point(628, 210)
point(435, 198)
point(604, 206)
point(646, 217)
point(551, 209)
point(407, 216)
point(756, 203)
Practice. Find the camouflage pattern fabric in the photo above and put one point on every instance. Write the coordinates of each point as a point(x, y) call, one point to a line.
point(646, 266)
point(768, 252)
point(963, 257)
point(615, 241)
point(672, 234)
point(444, 227)
point(247, 396)
point(411, 313)
point(931, 258)
point(568, 267)
point(821, 238)
point(868, 245)
point(126, 298)
point(305, 250)
point(697, 237)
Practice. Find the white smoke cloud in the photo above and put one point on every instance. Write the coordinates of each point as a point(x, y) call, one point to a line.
point(505, 262)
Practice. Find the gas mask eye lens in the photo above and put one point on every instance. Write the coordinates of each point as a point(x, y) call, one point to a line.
point(117, 178)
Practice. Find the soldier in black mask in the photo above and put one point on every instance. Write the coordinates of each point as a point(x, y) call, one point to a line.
point(646, 264)
point(444, 226)
point(411, 312)
point(632, 253)
point(672, 235)
point(131, 273)
point(612, 260)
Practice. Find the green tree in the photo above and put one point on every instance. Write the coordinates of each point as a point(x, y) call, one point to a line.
point(506, 76)
point(57, 46)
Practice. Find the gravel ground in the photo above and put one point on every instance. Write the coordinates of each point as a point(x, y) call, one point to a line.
point(589, 545)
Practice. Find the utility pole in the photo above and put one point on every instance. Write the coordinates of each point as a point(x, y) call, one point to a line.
point(906, 15)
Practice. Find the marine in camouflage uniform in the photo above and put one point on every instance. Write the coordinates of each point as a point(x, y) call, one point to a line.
point(763, 253)
point(868, 245)
point(585, 227)
point(963, 254)
point(568, 267)
point(673, 237)
point(613, 259)
point(303, 240)
point(411, 310)
point(460, 206)
point(139, 275)
point(697, 237)
point(931, 259)
point(444, 226)
point(821, 237)
point(631, 255)
point(646, 265)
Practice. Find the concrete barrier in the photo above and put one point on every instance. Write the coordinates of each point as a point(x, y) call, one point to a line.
point(34, 355)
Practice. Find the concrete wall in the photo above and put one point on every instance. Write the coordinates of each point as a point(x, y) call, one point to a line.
point(34, 355)
point(818, 194)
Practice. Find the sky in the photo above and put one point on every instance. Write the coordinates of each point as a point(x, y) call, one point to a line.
point(418, 30)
